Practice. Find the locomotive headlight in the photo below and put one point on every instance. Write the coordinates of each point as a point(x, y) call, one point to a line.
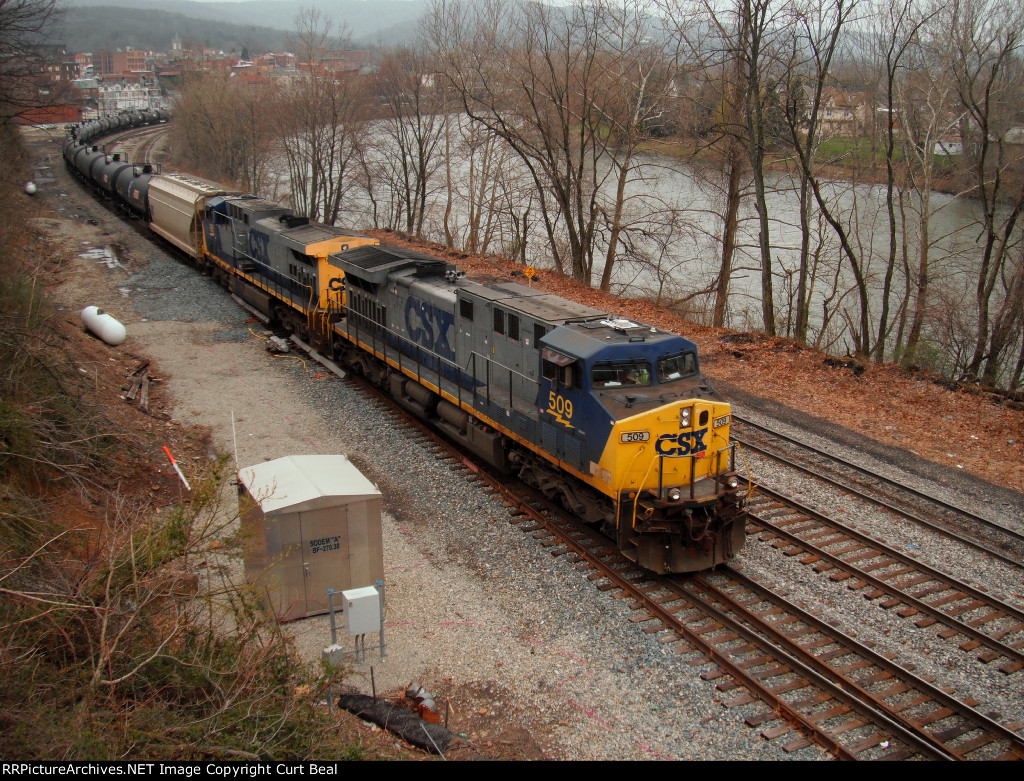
point(685, 417)
point(674, 494)
point(733, 482)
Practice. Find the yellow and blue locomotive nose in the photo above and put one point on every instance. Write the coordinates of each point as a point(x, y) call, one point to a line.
point(684, 445)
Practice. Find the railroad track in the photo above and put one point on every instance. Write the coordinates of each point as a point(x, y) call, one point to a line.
point(819, 684)
point(893, 579)
point(956, 523)
point(863, 702)
point(137, 145)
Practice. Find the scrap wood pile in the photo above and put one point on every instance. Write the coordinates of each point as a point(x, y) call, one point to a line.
point(138, 386)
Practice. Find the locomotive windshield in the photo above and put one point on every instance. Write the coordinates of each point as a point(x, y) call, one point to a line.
point(676, 367)
point(614, 375)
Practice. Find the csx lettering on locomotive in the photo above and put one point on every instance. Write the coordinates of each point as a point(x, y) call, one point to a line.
point(258, 246)
point(428, 326)
point(686, 442)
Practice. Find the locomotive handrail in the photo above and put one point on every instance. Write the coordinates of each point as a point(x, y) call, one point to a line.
point(512, 373)
point(718, 471)
point(281, 291)
point(720, 489)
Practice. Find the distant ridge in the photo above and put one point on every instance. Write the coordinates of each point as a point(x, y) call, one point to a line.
point(105, 28)
point(259, 24)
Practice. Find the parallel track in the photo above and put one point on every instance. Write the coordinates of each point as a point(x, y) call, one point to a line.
point(135, 145)
point(953, 522)
point(908, 585)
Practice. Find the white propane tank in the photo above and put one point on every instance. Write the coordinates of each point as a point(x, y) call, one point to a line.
point(30, 188)
point(104, 326)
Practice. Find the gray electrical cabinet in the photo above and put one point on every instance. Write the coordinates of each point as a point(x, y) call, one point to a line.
point(309, 523)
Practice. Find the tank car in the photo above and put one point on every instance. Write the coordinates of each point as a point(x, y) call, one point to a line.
point(606, 415)
point(86, 158)
point(105, 175)
point(132, 188)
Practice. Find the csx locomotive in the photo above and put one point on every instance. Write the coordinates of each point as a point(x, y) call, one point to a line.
point(608, 416)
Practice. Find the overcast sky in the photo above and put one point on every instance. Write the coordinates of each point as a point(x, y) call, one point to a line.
point(303, 3)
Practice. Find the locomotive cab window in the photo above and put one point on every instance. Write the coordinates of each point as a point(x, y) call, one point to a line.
point(619, 374)
point(676, 367)
point(466, 309)
point(559, 369)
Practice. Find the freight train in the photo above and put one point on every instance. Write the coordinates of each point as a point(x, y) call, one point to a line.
point(608, 416)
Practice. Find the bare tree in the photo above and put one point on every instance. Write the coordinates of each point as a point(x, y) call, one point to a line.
point(485, 189)
point(814, 46)
point(638, 61)
point(221, 129)
point(573, 91)
point(760, 22)
point(741, 41)
point(526, 73)
point(322, 121)
point(925, 101)
point(254, 163)
point(711, 110)
point(24, 26)
point(413, 130)
point(986, 40)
